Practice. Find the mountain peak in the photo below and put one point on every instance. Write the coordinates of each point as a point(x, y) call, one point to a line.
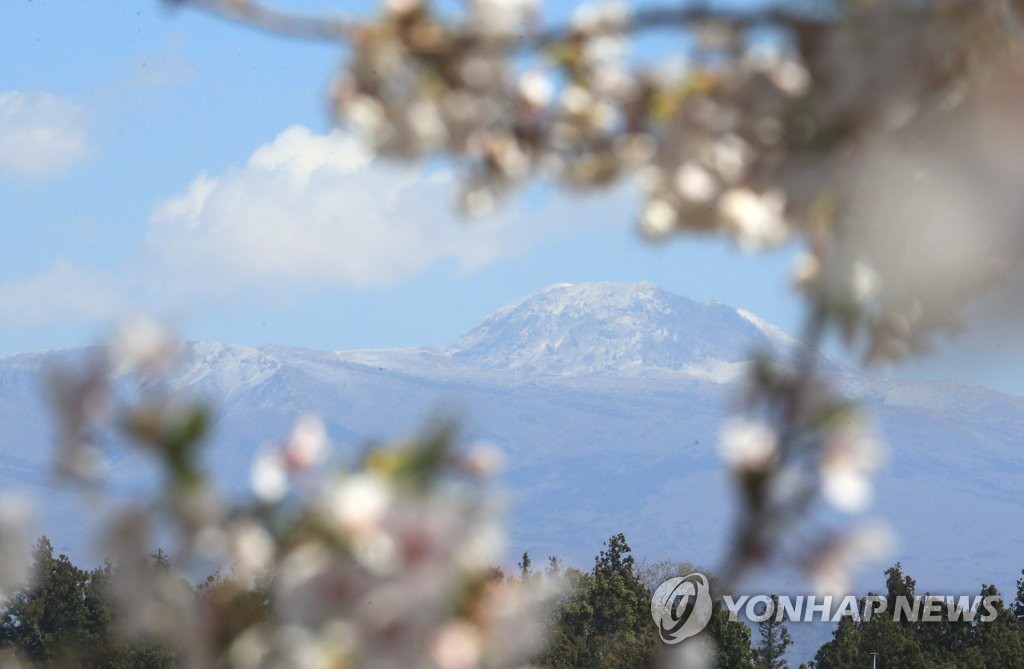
point(593, 328)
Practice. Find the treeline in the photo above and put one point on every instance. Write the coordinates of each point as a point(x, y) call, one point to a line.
point(943, 644)
point(603, 621)
point(67, 617)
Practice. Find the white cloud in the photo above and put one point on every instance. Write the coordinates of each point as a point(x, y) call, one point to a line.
point(60, 293)
point(310, 209)
point(305, 211)
point(41, 134)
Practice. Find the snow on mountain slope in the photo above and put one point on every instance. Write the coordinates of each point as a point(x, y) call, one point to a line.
point(222, 370)
point(602, 328)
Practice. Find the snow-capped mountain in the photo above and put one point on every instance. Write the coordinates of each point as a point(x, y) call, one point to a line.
point(607, 401)
point(611, 328)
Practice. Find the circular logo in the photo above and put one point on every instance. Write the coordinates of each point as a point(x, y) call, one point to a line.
point(681, 607)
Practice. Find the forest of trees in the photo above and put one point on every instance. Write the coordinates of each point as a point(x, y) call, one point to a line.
point(912, 645)
point(66, 618)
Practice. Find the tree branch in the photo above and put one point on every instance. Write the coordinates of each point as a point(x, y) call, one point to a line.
point(322, 28)
point(285, 24)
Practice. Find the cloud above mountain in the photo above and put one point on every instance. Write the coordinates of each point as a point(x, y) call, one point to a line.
point(41, 134)
point(62, 290)
point(315, 209)
point(305, 211)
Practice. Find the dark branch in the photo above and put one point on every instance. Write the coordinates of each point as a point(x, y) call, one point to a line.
point(287, 24)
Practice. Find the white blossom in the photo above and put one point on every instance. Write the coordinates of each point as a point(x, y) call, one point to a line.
point(806, 271)
point(849, 460)
point(252, 548)
point(500, 18)
point(484, 459)
point(747, 443)
point(834, 565)
point(307, 444)
point(865, 281)
point(597, 17)
point(15, 547)
point(424, 119)
point(482, 547)
point(791, 77)
point(377, 551)
point(141, 345)
point(695, 183)
point(403, 6)
point(757, 220)
point(659, 218)
point(457, 646)
point(536, 88)
point(249, 649)
point(730, 155)
point(269, 476)
point(358, 504)
point(577, 100)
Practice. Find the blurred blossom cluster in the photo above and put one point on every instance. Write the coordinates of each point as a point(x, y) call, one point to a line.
point(15, 517)
point(794, 448)
point(388, 563)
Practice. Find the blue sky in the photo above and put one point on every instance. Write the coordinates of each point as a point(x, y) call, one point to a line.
point(118, 119)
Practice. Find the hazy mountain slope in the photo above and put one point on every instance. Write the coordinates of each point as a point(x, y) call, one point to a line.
point(606, 399)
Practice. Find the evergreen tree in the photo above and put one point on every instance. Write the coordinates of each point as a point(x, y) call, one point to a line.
point(1000, 642)
point(525, 566)
point(853, 643)
point(897, 584)
point(624, 635)
point(65, 618)
point(571, 628)
point(733, 649)
point(49, 619)
point(944, 643)
point(895, 643)
point(603, 619)
point(161, 562)
point(1018, 604)
point(775, 640)
point(841, 651)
